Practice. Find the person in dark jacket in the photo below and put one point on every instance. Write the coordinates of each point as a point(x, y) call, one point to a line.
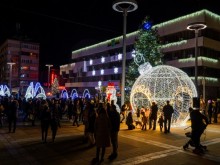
point(199, 123)
point(12, 114)
point(102, 133)
point(114, 117)
point(55, 120)
point(167, 112)
point(124, 108)
point(129, 121)
point(45, 119)
point(153, 116)
point(91, 124)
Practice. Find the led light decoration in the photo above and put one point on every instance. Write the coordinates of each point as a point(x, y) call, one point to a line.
point(139, 59)
point(64, 94)
point(4, 91)
point(147, 25)
point(133, 53)
point(201, 58)
point(74, 94)
point(36, 91)
point(86, 94)
point(162, 83)
point(178, 43)
point(160, 25)
point(144, 68)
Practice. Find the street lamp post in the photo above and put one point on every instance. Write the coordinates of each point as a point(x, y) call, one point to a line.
point(196, 27)
point(48, 77)
point(10, 76)
point(124, 6)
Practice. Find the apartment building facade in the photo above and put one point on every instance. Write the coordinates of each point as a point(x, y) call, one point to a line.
point(25, 69)
point(101, 63)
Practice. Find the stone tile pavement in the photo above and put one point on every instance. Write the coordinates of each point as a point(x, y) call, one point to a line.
point(135, 147)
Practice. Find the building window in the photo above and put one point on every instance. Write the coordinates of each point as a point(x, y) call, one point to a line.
point(115, 70)
point(102, 71)
point(103, 59)
point(91, 62)
point(93, 72)
point(119, 56)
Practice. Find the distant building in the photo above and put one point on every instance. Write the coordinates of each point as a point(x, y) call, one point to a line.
point(25, 55)
point(102, 62)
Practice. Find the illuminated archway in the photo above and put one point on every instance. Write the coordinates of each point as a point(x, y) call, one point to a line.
point(86, 94)
point(74, 94)
point(64, 94)
point(36, 91)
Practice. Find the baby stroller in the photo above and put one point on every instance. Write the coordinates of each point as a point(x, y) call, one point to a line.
point(203, 148)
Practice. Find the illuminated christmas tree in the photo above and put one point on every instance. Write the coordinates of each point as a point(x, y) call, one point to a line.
point(147, 49)
point(55, 87)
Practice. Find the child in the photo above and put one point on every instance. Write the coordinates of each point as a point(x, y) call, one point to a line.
point(144, 121)
point(160, 121)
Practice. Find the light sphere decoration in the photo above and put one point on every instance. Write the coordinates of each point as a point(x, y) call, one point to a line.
point(161, 83)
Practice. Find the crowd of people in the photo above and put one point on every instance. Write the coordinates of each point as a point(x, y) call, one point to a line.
point(149, 116)
point(101, 120)
point(152, 115)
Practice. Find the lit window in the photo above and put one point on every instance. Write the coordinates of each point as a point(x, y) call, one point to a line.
point(93, 72)
point(90, 62)
point(119, 56)
point(102, 71)
point(115, 70)
point(103, 59)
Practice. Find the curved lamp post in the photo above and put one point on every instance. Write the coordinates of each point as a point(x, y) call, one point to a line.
point(196, 27)
point(10, 65)
point(48, 77)
point(124, 6)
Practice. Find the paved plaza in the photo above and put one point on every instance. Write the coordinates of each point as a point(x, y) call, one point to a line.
point(151, 147)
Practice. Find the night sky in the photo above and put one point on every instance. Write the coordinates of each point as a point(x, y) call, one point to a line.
point(61, 26)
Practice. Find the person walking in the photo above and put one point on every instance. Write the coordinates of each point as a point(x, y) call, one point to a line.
point(153, 116)
point(55, 120)
point(144, 121)
point(77, 110)
point(167, 112)
point(45, 119)
point(102, 133)
point(114, 117)
point(12, 115)
point(160, 122)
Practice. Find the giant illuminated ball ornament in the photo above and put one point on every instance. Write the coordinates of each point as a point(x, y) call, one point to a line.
point(162, 83)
